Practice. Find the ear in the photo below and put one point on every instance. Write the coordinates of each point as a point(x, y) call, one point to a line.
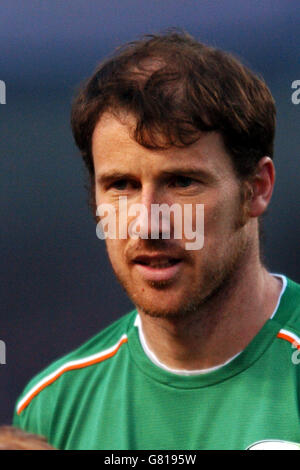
point(262, 184)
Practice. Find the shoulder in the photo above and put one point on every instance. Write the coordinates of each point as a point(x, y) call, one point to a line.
point(98, 349)
point(290, 313)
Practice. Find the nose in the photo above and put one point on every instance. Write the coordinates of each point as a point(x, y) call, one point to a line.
point(147, 224)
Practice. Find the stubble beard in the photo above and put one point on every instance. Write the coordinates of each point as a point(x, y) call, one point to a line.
point(217, 279)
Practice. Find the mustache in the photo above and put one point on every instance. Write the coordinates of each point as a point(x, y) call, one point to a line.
point(150, 247)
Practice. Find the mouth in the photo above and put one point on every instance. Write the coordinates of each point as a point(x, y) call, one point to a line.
point(157, 267)
point(156, 262)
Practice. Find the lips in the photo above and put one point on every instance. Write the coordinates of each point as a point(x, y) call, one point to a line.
point(158, 261)
point(160, 267)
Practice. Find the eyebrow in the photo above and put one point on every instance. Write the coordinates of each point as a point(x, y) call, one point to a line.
point(113, 175)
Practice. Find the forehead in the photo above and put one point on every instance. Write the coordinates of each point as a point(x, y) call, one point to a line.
point(113, 146)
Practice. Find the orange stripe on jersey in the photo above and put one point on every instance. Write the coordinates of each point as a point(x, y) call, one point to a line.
point(72, 365)
point(290, 337)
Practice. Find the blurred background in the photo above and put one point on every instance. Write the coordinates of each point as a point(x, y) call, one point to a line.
point(57, 289)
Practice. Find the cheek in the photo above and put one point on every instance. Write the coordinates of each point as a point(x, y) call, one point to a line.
point(221, 220)
point(216, 218)
point(114, 250)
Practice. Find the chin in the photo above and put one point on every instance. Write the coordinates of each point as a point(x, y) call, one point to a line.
point(153, 312)
point(168, 307)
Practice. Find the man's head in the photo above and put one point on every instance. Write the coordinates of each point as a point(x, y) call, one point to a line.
point(169, 120)
point(178, 88)
point(12, 438)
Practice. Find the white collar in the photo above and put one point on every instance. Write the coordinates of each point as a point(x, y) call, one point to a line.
point(158, 363)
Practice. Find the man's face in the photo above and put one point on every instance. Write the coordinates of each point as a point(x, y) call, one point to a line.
point(161, 276)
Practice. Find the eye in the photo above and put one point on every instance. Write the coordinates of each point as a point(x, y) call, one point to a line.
point(181, 181)
point(123, 184)
point(120, 185)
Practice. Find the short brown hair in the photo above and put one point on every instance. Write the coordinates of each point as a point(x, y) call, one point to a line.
point(177, 88)
point(12, 438)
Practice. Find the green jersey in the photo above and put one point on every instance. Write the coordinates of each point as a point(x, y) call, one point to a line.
point(108, 394)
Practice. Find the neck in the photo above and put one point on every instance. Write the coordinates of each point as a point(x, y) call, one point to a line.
point(223, 326)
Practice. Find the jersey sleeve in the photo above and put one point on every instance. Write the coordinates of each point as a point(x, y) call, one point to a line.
point(36, 416)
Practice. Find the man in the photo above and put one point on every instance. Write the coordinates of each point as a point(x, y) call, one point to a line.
point(205, 361)
point(15, 439)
